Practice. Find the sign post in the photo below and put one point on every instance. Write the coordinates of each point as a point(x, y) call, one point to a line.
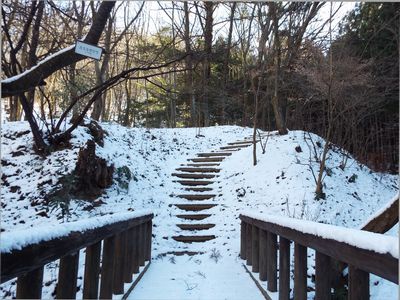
point(88, 50)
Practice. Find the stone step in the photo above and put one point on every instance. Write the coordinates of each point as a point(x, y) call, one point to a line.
point(194, 207)
point(198, 189)
point(193, 238)
point(193, 176)
point(202, 165)
point(193, 216)
point(195, 226)
point(200, 170)
point(212, 154)
point(196, 197)
point(195, 182)
point(207, 159)
point(234, 147)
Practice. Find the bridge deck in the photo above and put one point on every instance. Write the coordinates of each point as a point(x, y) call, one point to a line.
point(196, 277)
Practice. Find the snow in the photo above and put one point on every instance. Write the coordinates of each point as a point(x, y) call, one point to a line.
point(17, 239)
point(281, 185)
point(16, 77)
point(361, 239)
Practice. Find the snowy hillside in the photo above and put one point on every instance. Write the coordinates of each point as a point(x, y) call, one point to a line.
point(282, 183)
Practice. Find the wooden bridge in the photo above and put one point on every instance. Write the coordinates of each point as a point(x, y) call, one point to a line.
point(125, 246)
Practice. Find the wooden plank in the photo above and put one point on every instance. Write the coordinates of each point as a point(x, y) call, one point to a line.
point(92, 271)
point(194, 216)
point(67, 276)
point(323, 271)
point(214, 154)
point(358, 284)
point(263, 292)
point(207, 159)
point(194, 207)
point(195, 226)
point(300, 272)
point(194, 182)
point(198, 170)
point(249, 244)
point(272, 267)
point(383, 265)
point(193, 175)
point(118, 281)
point(135, 282)
point(193, 238)
point(29, 286)
point(284, 269)
point(107, 268)
point(255, 249)
point(263, 255)
point(197, 196)
point(243, 240)
point(19, 262)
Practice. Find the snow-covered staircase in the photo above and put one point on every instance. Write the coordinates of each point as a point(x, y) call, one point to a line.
point(196, 177)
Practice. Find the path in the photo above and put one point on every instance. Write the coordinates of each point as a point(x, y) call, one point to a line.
point(207, 273)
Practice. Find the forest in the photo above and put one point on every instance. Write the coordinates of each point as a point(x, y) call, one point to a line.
point(199, 150)
point(269, 65)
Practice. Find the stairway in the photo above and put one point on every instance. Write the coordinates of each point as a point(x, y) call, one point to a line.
point(197, 176)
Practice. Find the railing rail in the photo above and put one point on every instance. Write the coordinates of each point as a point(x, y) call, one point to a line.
point(259, 246)
point(118, 249)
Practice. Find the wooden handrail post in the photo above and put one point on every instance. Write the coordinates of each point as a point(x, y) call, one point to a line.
point(142, 243)
point(263, 255)
point(29, 286)
point(128, 261)
point(284, 269)
point(136, 249)
point(249, 242)
point(255, 249)
point(149, 231)
point(107, 268)
point(322, 276)
point(358, 284)
point(243, 240)
point(118, 282)
point(300, 272)
point(67, 276)
point(272, 267)
point(92, 271)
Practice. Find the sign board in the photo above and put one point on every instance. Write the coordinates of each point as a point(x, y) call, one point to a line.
point(88, 50)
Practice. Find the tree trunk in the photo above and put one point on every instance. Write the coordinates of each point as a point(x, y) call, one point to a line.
point(189, 66)
point(278, 109)
point(208, 28)
point(225, 67)
point(101, 72)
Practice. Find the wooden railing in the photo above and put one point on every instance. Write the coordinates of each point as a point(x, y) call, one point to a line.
point(259, 247)
point(115, 251)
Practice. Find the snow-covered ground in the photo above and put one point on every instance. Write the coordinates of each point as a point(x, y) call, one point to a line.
point(281, 184)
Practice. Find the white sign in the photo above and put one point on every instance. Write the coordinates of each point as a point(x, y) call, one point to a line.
point(88, 50)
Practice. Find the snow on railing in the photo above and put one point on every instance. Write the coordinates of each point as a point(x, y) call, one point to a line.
point(363, 251)
point(116, 246)
point(378, 243)
point(18, 239)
